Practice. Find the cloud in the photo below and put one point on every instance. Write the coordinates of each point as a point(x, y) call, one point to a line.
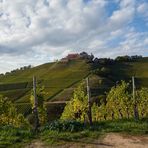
point(55, 23)
point(42, 30)
point(127, 3)
point(146, 41)
point(142, 9)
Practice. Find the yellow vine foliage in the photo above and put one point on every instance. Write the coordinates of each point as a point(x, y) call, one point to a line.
point(9, 115)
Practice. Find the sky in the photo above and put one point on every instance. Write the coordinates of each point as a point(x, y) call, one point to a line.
point(33, 32)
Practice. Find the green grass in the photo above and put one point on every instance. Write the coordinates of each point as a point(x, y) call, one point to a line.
point(98, 129)
point(19, 137)
point(129, 126)
point(14, 137)
point(56, 138)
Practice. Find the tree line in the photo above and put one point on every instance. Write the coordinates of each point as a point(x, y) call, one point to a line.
point(16, 70)
point(108, 61)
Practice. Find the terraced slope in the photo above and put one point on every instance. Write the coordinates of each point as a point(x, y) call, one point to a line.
point(60, 79)
point(56, 77)
point(125, 70)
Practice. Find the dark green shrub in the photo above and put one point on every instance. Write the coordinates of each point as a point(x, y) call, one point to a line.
point(102, 71)
point(65, 126)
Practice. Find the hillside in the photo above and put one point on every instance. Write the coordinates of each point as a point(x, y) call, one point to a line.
point(60, 78)
point(56, 77)
point(125, 70)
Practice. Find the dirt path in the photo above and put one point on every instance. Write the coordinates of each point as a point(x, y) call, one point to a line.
point(111, 140)
point(36, 144)
point(125, 141)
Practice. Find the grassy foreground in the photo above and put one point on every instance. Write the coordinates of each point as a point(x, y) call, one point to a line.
point(98, 129)
point(14, 137)
point(77, 132)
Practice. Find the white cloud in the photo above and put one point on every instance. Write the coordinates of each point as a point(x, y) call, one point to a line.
point(116, 33)
point(49, 29)
point(142, 9)
point(127, 3)
point(122, 16)
point(59, 23)
point(146, 42)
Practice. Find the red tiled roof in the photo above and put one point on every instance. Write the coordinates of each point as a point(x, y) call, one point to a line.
point(72, 56)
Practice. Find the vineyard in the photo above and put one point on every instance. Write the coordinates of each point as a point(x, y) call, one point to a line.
point(114, 113)
point(63, 100)
point(118, 104)
point(56, 77)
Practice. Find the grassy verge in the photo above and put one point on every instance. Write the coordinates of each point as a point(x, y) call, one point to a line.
point(88, 134)
point(14, 137)
point(123, 126)
point(59, 138)
point(63, 132)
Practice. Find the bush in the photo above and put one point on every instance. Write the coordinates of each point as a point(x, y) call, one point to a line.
point(65, 126)
point(105, 71)
point(102, 72)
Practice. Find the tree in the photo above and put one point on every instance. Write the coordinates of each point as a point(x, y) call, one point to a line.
point(123, 58)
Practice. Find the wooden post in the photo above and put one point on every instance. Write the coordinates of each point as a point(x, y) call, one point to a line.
point(89, 102)
point(133, 83)
point(136, 115)
point(35, 109)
